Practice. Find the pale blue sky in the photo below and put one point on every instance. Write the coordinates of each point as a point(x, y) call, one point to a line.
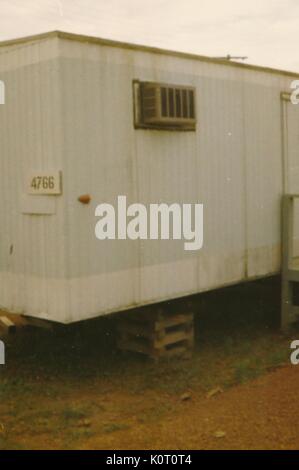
point(265, 30)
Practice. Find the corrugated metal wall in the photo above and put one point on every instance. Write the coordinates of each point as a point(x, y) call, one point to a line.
point(32, 249)
point(81, 121)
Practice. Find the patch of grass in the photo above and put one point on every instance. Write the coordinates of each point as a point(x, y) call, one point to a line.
point(73, 413)
point(228, 345)
point(14, 384)
point(113, 427)
point(278, 357)
point(246, 370)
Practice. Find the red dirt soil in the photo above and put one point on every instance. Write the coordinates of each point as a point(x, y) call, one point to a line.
point(262, 414)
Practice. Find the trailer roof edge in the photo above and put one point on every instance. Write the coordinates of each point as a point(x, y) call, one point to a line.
point(139, 47)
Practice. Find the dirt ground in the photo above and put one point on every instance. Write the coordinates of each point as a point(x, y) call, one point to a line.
point(71, 389)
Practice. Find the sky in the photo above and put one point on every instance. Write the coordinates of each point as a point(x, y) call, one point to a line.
point(264, 30)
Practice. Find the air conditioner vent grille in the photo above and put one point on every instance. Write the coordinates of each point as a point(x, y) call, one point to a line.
point(165, 106)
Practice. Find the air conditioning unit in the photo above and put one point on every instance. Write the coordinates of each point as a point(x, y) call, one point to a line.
point(164, 106)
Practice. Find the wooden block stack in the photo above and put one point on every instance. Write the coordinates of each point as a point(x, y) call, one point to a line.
point(157, 334)
point(12, 323)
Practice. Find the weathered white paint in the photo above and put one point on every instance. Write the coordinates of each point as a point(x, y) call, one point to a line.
point(69, 107)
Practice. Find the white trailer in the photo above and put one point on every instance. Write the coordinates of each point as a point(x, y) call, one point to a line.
point(76, 118)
